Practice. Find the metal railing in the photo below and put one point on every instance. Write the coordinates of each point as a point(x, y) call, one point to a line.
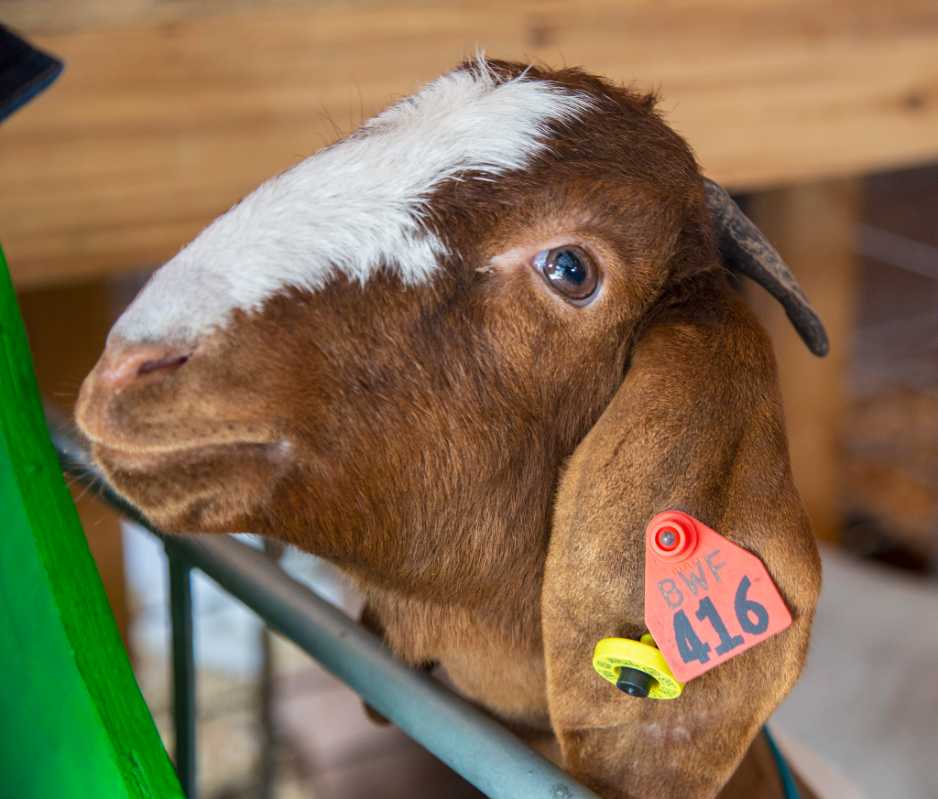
point(458, 733)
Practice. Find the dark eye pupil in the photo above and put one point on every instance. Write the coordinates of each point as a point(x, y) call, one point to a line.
point(569, 271)
point(568, 266)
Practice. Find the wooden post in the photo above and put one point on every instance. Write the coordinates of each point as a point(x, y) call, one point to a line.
point(814, 227)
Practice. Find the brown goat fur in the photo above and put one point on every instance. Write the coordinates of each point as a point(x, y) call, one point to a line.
point(482, 457)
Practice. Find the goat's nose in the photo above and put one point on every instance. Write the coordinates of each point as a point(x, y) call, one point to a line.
point(125, 364)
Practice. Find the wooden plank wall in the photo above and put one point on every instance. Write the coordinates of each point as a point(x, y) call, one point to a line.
point(170, 111)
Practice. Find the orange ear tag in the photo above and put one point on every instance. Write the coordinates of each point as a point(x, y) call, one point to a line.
point(706, 599)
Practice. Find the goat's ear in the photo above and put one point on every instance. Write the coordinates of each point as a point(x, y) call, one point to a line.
point(746, 250)
point(696, 426)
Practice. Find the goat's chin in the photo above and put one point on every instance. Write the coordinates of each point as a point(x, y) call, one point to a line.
point(215, 489)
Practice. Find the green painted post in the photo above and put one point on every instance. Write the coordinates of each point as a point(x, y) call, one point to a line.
point(73, 724)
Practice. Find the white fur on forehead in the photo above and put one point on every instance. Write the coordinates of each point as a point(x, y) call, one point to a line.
point(355, 206)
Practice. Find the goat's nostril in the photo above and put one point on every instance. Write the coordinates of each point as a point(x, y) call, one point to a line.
point(122, 365)
point(156, 364)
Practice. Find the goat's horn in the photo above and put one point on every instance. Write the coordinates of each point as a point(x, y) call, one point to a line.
point(747, 251)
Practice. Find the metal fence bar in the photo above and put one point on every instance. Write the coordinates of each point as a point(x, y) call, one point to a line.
point(267, 697)
point(459, 734)
point(267, 730)
point(463, 737)
point(184, 676)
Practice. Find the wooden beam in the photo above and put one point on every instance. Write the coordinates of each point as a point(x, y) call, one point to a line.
point(814, 228)
point(165, 116)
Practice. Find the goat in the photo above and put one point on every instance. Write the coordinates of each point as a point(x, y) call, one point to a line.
point(466, 353)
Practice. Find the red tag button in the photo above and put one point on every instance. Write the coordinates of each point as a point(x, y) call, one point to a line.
point(671, 537)
point(706, 599)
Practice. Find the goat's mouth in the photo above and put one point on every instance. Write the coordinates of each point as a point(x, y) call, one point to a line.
point(206, 487)
point(148, 459)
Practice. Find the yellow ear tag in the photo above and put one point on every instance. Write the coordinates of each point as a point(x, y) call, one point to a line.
point(636, 668)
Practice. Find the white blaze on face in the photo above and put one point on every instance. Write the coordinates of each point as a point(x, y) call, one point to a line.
point(351, 207)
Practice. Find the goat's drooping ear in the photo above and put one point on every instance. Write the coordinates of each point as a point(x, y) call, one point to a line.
point(747, 251)
point(697, 426)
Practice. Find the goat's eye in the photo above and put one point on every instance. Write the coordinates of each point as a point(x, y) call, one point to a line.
point(569, 271)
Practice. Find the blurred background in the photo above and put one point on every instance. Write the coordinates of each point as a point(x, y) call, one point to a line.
point(821, 118)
